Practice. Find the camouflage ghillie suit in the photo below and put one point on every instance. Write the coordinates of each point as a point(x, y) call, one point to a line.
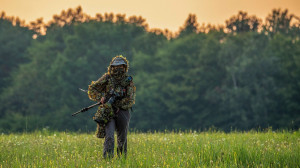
point(118, 90)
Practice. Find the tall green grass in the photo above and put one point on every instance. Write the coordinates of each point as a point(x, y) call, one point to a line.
point(181, 149)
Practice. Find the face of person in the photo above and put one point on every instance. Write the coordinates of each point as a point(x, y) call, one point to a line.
point(119, 69)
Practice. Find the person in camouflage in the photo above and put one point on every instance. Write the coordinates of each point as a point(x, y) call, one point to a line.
point(116, 92)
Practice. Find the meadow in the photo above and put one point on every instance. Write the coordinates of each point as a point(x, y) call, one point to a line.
point(159, 149)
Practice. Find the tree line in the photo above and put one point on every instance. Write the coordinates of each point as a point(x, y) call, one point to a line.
point(242, 75)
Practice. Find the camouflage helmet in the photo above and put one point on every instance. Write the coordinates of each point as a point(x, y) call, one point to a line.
point(119, 60)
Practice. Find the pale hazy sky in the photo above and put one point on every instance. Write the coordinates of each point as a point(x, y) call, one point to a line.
point(162, 14)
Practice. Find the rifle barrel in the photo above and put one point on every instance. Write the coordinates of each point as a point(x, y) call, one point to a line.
point(86, 108)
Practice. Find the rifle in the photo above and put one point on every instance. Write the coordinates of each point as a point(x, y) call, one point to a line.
point(113, 95)
point(86, 108)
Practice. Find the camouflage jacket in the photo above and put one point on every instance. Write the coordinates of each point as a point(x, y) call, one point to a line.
point(102, 87)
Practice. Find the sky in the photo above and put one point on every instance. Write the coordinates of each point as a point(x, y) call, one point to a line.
point(162, 14)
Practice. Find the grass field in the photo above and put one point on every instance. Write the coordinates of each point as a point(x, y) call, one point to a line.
point(182, 149)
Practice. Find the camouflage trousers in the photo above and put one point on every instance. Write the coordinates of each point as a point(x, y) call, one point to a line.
point(120, 124)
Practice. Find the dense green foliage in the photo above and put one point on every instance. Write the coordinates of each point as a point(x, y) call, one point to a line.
point(183, 149)
point(14, 40)
point(242, 76)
